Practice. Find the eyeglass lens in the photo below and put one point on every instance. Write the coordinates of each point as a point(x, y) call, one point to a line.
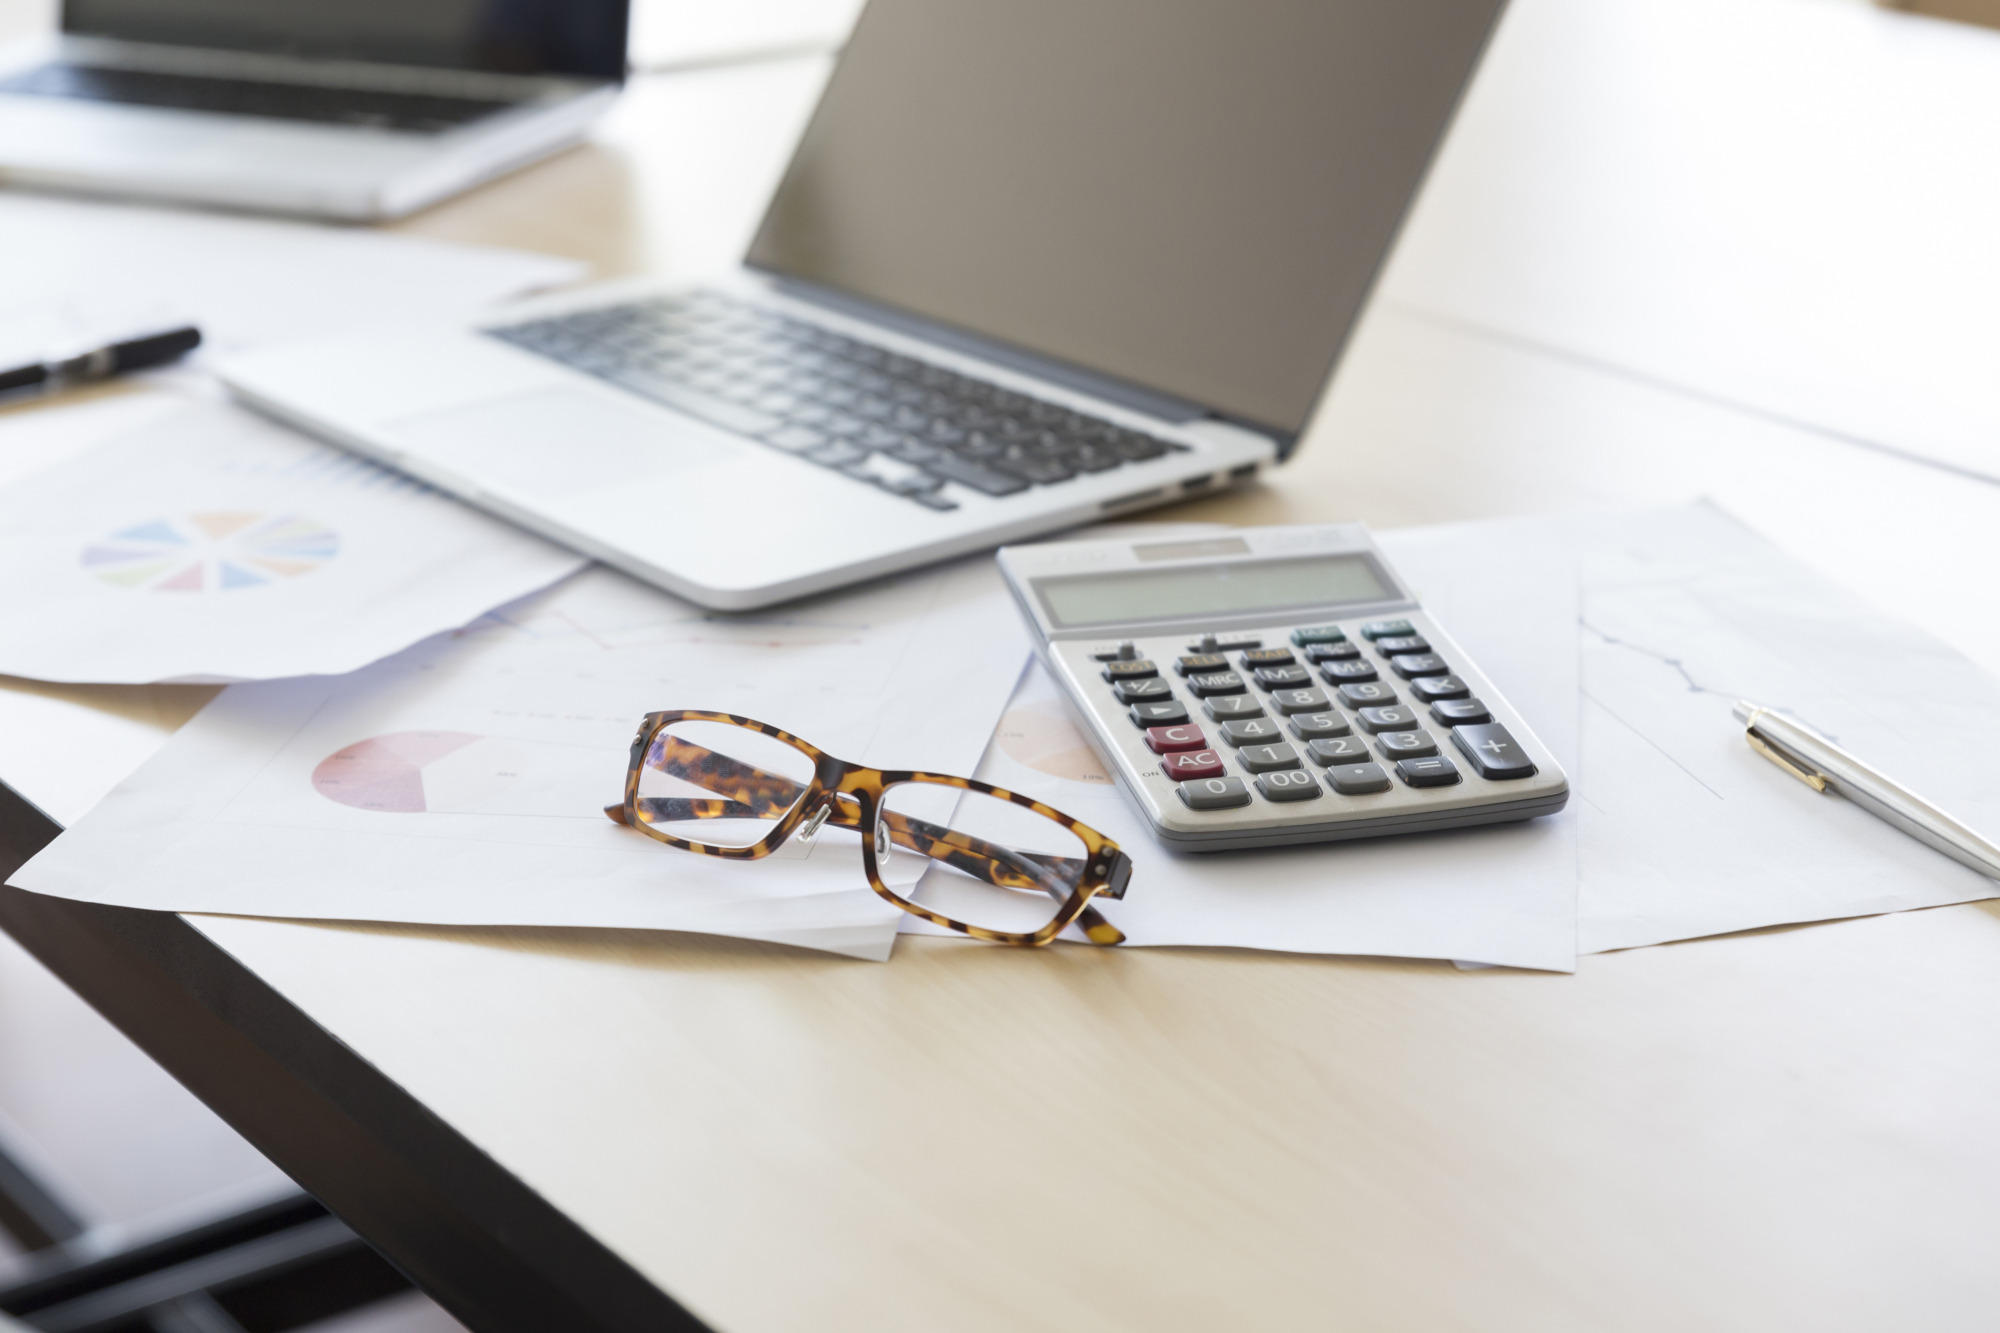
point(718, 783)
point(975, 858)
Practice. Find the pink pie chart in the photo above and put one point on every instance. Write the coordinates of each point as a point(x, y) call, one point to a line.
point(386, 773)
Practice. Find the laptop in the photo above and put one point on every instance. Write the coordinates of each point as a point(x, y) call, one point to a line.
point(1033, 264)
point(350, 109)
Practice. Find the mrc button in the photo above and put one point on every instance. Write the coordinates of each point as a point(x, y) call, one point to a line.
point(1494, 753)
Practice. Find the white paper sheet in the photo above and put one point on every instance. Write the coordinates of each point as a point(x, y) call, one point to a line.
point(1685, 831)
point(498, 747)
point(209, 544)
point(1502, 894)
point(85, 272)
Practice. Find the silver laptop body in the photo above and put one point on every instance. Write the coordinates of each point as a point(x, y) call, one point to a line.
point(1032, 265)
point(329, 108)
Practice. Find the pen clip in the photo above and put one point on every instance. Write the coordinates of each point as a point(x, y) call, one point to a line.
point(1771, 752)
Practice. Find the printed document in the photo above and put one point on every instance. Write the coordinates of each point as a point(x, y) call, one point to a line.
point(208, 544)
point(491, 752)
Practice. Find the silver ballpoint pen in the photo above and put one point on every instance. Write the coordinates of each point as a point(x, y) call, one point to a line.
point(1824, 766)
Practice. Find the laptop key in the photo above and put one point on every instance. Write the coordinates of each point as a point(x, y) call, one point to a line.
point(979, 478)
point(795, 439)
point(716, 411)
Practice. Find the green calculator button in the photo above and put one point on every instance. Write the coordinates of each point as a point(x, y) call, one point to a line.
point(1319, 634)
point(1383, 629)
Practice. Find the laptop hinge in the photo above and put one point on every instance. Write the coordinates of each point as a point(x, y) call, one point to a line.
point(1151, 402)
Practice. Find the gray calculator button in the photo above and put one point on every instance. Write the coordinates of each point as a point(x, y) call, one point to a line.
point(1282, 678)
point(1218, 682)
point(1231, 707)
point(1319, 726)
point(1267, 657)
point(1412, 665)
point(1338, 750)
point(1378, 720)
point(1432, 688)
point(1438, 772)
point(1493, 752)
point(1214, 794)
point(1460, 712)
point(1267, 758)
point(1200, 662)
point(1358, 779)
point(1406, 744)
point(1332, 652)
point(1169, 714)
point(1371, 695)
point(1289, 785)
point(1343, 673)
point(1393, 644)
point(1379, 629)
point(1300, 701)
point(1117, 671)
point(1256, 731)
point(1142, 691)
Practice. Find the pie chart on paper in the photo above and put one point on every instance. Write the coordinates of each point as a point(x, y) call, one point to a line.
point(466, 773)
point(216, 551)
point(386, 773)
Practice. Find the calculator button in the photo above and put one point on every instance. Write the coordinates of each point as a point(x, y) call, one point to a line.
point(1339, 750)
point(1167, 740)
point(1167, 714)
point(1340, 673)
point(1231, 707)
point(1220, 682)
point(1358, 779)
point(1267, 758)
point(1142, 691)
point(1268, 657)
point(1288, 785)
point(1214, 794)
point(1282, 678)
point(1192, 764)
point(1438, 772)
point(1393, 718)
point(1255, 731)
point(1318, 634)
point(1366, 696)
point(1412, 665)
point(1493, 752)
point(1406, 744)
point(1300, 701)
point(1332, 652)
point(1201, 662)
point(1432, 688)
point(1460, 712)
point(1393, 644)
point(1379, 629)
point(1139, 670)
point(1319, 726)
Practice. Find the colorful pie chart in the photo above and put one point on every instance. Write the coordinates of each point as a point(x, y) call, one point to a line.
point(220, 551)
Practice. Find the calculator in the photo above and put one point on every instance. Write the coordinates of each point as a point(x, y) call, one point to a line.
point(1274, 686)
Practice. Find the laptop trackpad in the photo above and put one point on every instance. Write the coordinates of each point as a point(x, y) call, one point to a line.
point(557, 441)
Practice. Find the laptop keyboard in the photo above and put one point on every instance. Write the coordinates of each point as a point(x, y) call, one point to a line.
point(855, 407)
point(372, 108)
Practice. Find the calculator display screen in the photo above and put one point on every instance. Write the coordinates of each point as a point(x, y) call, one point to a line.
point(1229, 588)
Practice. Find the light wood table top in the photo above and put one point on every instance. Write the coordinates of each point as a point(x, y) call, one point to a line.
point(1787, 1128)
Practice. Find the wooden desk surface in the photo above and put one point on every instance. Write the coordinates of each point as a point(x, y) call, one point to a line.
point(1781, 1129)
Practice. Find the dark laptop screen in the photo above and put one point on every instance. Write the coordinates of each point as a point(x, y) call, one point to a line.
point(577, 37)
point(1192, 196)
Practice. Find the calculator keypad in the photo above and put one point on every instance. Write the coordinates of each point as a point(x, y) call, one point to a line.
point(1495, 753)
point(1288, 702)
point(1267, 758)
point(1460, 712)
point(1219, 682)
point(1391, 645)
point(1139, 670)
point(1437, 772)
point(1142, 691)
point(1318, 726)
point(1432, 688)
point(1318, 634)
point(1372, 695)
point(1406, 744)
point(1338, 750)
point(1214, 794)
point(1266, 657)
point(1345, 673)
point(1283, 677)
point(1332, 652)
point(1255, 731)
point(1395, 717)
point(1412, 665)
point(1169, 714)
point(1288, 785)
point(1379, 629)
point(1201, 662)
point(1358, 779)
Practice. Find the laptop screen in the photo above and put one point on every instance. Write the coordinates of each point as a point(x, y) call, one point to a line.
point(574, 37)
point(1191, 196)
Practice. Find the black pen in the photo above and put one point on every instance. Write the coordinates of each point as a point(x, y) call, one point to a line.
point(154, 349)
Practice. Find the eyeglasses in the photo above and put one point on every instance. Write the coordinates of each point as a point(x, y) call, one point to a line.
point(960, 853)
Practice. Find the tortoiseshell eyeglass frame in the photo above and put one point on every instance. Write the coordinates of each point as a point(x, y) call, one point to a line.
point(851, 797)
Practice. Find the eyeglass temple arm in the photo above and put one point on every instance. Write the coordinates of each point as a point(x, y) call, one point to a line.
point(1000, 866)
point(746, 792)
